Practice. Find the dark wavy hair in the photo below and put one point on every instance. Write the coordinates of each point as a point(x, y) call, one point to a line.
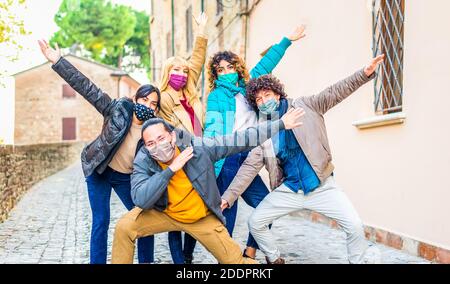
point(264, 83)
point(146, 90)
point(230, 57)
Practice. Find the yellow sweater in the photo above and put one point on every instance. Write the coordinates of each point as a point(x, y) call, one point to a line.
point(185, 204)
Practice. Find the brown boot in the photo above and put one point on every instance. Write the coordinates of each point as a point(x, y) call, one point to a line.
point(277, 261)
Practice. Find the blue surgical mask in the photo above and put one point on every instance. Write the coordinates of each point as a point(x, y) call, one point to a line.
point(269, 107)
point(231, 78)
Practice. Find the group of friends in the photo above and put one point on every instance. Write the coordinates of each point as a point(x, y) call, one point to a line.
point(180, 166)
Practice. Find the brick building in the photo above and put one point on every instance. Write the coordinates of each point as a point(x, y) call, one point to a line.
point(48, 110)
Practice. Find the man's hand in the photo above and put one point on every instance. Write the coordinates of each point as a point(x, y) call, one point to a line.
point(201, 21)
point(181, 160)
point(291, 118)
point(224, 205)
point(373, 65)
point(298, 33)
point(51, 54)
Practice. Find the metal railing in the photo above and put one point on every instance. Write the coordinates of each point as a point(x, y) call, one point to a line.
point(388, 26)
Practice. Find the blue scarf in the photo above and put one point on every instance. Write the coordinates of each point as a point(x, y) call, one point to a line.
point(231, 90)
point(288, 144)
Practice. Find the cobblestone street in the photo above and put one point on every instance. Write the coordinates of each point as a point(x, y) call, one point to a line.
point(51, 224)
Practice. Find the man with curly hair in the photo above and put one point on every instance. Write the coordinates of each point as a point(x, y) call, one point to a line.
point(299, 165)
point(227, 111)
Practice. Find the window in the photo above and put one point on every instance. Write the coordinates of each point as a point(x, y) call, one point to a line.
point(219, 6)
point(153, 70)
point(169, 45)
point(69, 128)
point(67, 91)
point(189, 33)
point(388, 27)
point(220, 37)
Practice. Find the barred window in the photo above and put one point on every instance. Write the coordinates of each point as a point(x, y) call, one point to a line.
point(388, 29)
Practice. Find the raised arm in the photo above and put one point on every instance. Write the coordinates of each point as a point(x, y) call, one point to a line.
point(274, 55)
point(223, 146)
point(79, 82)
point(198, 56)
point(339, 91)
point(147, 188)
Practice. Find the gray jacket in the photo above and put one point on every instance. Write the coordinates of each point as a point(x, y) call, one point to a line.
point(149, 182)
point(311, 136)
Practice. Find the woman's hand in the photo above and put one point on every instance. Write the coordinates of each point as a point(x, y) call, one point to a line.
point(201, 21)
point(51, 54)
point(373, 65)
point(298, 33)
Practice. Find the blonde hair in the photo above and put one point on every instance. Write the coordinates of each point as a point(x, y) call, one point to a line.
point(190, 88)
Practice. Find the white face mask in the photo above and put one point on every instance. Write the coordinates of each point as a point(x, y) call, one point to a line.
point(163, 152)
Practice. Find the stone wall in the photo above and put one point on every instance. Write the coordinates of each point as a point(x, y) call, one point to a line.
point(23, 166)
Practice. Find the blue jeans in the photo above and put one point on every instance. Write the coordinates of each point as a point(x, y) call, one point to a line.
point(179, 255)
point(99, 191)
point(253, 195)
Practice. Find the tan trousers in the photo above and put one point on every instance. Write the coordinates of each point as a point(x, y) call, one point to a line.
point(209, 231)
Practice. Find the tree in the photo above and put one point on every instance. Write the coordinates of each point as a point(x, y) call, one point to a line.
point(110, 33)
point(11, 28)
point(136, 48)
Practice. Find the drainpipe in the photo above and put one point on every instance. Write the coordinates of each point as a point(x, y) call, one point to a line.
point(173, 28)
point(202, 7)
point(246, 30)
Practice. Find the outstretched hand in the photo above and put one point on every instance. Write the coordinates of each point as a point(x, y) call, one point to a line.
point(298, 33)
point(52, 54)
point(291, 118)
point(373, 65)
point(201, 21)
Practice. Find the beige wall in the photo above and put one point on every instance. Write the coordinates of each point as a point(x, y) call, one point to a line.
point(394, 175)
point(40, 107)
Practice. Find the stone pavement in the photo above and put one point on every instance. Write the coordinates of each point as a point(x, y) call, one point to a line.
point(51, 224)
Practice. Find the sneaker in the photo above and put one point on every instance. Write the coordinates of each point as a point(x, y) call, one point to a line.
point(188, 259)
point(277, 261)
point(372, 255)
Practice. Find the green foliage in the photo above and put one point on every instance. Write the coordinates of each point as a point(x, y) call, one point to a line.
point(111, 33)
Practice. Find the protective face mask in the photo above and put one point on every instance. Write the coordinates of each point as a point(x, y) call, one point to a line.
point(177, 81)
point(142, 112)
point(163, 152)
point(269, 107)
point(231, 78)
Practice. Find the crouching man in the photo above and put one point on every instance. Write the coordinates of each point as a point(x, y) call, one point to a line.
point(174, 186)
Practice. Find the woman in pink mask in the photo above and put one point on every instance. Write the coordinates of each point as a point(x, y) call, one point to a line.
point(182, 108)
point(180, 101)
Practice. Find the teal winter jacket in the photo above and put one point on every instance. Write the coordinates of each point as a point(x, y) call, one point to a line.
point(221, 104)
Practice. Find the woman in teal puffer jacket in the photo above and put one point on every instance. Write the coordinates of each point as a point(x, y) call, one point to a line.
point(227, 111)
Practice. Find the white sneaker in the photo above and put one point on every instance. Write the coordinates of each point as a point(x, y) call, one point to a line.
point(372, 255)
